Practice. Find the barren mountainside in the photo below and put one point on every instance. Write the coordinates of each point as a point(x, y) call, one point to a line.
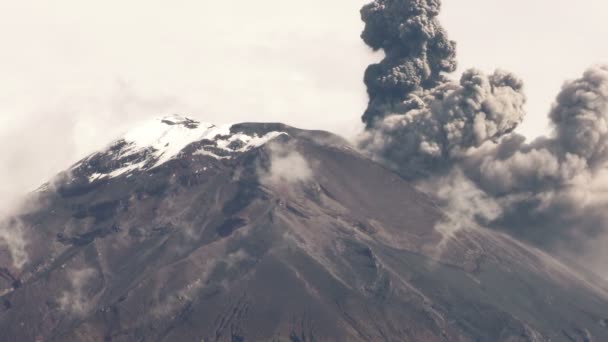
point(185, 231)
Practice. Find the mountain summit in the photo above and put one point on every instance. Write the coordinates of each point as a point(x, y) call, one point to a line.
point(187, 231)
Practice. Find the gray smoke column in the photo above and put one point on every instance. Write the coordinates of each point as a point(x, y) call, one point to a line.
point(580, 116)
point(417, 119)
point(417, 51)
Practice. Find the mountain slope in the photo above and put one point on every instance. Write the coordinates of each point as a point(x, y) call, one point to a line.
point(185, 231)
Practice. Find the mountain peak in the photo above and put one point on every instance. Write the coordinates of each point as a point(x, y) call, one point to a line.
point(177, 119)
point(187, 231)
point(157, 141)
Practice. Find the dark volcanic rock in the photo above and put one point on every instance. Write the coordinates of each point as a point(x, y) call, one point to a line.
point(301, 239)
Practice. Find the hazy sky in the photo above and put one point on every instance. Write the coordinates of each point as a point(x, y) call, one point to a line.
point(77, 73)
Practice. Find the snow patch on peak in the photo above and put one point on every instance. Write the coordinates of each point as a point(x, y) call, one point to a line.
point(157, 141)
point(164, 138)
point(238, 143)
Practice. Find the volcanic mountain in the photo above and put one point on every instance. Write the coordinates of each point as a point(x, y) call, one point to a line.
point(186, 231)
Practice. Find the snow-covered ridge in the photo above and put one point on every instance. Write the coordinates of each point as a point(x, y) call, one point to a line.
point(157, 141)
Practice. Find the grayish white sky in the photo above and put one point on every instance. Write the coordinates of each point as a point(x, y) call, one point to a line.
point(77, 73)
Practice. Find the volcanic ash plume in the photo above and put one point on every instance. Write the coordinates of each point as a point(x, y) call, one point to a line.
point(416, 118)
point(580, 116)
point(574, 155)
point(416, 51)
point(429, 128)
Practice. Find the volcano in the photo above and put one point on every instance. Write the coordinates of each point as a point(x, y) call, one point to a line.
point(187, 231)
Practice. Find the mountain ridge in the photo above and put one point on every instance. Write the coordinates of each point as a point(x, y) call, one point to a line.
point(300, 238)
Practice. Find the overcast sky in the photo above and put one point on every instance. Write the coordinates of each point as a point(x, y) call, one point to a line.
point(75, 73)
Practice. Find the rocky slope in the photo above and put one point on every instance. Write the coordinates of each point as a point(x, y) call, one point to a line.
point(184, 231)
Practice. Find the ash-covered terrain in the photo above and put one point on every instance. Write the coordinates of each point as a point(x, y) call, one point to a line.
point(185, 231)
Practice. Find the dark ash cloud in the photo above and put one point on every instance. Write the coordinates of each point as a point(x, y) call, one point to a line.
point(416, 49)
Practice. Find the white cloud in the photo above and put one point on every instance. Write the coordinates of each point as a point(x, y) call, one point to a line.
point(76, 300)
point(287, 166)
point(12, 236)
